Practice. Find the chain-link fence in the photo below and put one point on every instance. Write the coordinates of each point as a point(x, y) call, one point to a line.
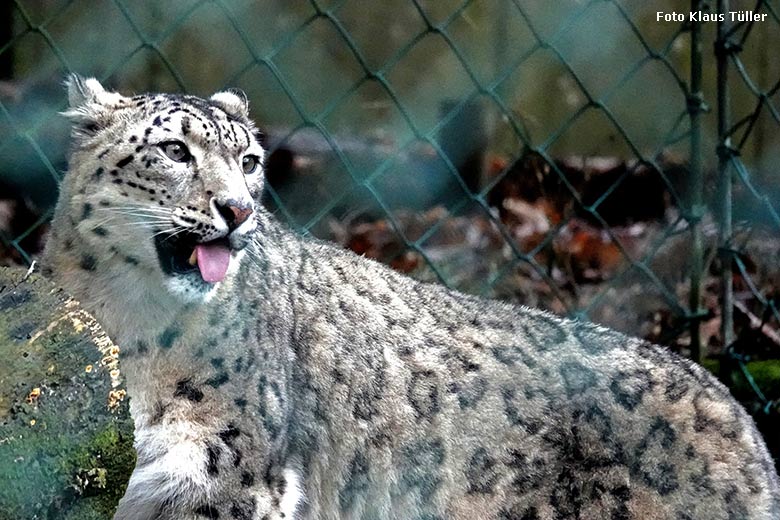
point(746, 171)
point(561, 154)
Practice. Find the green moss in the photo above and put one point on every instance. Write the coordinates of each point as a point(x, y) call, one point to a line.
point(101, 469)
point(48, 471)
point(766, 374)
point(711, 364)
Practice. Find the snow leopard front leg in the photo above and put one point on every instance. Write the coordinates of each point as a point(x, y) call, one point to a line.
point(186, 471)
point(197, 456)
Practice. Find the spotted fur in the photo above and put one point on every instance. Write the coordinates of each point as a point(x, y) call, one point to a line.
point(315, 384)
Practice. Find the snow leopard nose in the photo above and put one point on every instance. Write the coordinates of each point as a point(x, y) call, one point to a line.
point(233, 212)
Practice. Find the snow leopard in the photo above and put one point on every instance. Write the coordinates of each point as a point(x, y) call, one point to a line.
point(274, 376)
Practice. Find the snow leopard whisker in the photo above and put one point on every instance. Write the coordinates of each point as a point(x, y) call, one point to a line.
point(139, 220)
point(171, 232)
point(138, 206)
point(109, 222)
point(136, 212)
point(145, 223)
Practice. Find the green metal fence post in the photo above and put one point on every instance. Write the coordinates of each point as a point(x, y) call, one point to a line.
point(696, 208)
point(724, 174)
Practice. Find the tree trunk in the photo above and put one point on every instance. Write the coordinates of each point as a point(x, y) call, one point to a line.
point(65, 431)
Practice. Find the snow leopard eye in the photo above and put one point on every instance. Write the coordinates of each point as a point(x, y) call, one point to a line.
point(176, 151)
point(250, 163)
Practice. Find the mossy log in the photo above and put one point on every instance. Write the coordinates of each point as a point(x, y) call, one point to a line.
point(65, 430)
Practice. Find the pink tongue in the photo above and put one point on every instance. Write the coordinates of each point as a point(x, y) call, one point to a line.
point(213, 261)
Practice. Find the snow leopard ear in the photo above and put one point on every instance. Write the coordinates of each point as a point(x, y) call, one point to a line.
point(233, 101)
point(91, 106)
point(82, 91)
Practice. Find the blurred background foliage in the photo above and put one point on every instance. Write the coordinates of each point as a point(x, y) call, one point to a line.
point(562, 154)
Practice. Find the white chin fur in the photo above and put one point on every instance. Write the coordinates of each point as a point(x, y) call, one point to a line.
point(191, 288)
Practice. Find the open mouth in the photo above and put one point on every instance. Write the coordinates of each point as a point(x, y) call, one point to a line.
point(185, 254)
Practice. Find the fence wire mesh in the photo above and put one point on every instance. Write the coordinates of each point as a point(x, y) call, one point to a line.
point(560, 154)
point(741, 140)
